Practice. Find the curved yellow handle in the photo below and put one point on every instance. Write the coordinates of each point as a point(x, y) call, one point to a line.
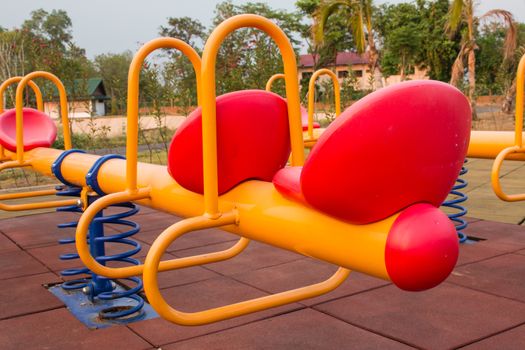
point(518, 139)
point(133, 97)
point(209, 123)
point(311, 97)
point(19, 112)
point(32, 85)
point(272, 79)
point(152, 266)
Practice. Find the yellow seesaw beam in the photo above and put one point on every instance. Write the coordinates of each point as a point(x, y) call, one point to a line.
point(266, 215)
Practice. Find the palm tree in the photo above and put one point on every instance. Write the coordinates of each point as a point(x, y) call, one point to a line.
point(360, 18)
point(461, 12)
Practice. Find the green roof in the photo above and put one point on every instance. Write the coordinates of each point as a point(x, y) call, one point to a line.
point(91, 88)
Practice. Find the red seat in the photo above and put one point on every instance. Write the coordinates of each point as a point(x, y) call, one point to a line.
point(253, 141)
point(39, 129)
point(401, 145)
point(304, 120)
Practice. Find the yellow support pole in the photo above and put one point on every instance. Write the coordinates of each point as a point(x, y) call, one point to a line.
point(20, 116)
point(311, 98)
point(209, 126)
point(3, 88)
point(518, 139)
point(272, 80)
point(132, 131)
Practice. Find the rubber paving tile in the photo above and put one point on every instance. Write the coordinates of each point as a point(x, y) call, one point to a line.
point(58, 329)
point(255, 256)
point(470, 253)
point(18, 264)
point(304, 272)
point(503, 275)
point(513, 339)
point(201, 296)
point(191, 240)
point(444, 317)
point(49, 255)
point(24, 295)
point(303, 329)
point(499, 236)
point(6, 245)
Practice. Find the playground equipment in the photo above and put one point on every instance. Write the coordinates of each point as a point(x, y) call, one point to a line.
point(380, 218)
point(307, 115)
point(517, 150)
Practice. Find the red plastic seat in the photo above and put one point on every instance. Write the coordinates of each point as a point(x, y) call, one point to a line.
point(304, 120)
point(253, 141)
point(39, 129)
point(401, 145)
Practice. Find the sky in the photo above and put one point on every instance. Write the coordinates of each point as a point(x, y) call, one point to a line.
point(103, 26)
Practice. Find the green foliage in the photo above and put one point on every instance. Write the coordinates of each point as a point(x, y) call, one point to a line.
point(113, 69)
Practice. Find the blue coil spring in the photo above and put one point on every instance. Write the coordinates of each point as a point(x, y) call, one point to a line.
point(455, 202)
point(135, 247)
point(78, 283)
point(99, 287)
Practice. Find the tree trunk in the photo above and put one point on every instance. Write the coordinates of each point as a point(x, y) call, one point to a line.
point(509, 98)
point(472, 82)
point(373, 63)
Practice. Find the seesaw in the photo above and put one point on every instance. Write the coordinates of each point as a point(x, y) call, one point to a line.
point(380, 218)
point(312, 128)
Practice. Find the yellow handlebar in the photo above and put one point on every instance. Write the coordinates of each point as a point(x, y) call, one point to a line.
point(20, 104)
point(32, 85)
point(518, 141)
point(133, 97)
point(311, 97)
point(272, 79)
point(209, 125)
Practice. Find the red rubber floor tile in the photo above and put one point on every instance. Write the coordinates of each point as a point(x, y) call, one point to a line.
point(37, 230)
point(6, 245)
point(255, 256)
point(469, 253)
point(200, 296)
point(445, 317)
point(513, 339)
point(503, 275)
point(499, 236)
point(190, 240)
point(25, 295)
point(18, 264)
point(303, 329)
point(58, 329)
point(303, 272)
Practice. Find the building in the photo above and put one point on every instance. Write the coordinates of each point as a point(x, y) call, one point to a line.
point(357, 63)
point(86, 98)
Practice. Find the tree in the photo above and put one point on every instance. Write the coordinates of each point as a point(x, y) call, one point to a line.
point(336, 37)
point(113, 69)
point(461, 12)
point(401, 29)
point(359, 19)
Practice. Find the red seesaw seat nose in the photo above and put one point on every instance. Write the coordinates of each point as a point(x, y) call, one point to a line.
point(39, 129)
point(398, 146)
point(253, 141)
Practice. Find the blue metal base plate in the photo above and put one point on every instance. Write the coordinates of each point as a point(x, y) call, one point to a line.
point(87, 311)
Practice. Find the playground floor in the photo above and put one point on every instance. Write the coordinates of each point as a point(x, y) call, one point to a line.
point(480, 306)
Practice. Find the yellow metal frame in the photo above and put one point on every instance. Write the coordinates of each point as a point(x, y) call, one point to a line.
point(311, 139)
point(19, 161)
point(311, 98)
point(132, 192)
point(212, 217)
point(517, 148)
point(3, 88)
